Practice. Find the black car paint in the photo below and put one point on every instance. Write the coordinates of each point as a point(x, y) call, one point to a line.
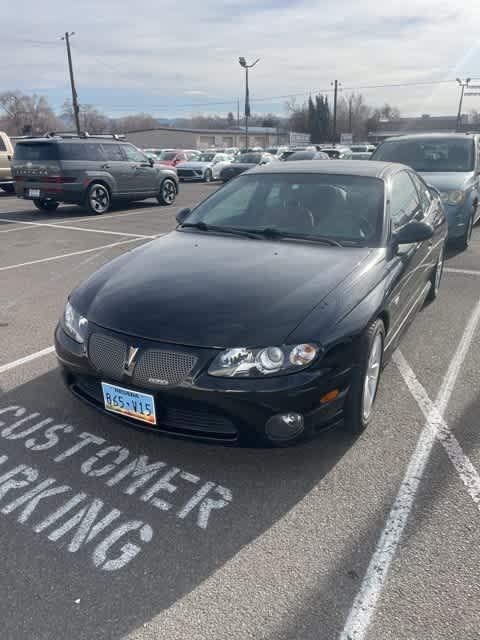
point(204, 291)
point(235, 169)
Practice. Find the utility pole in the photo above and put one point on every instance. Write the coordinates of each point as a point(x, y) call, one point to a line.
point(335, 95)
point(243, 63)
point(66, 37)
point(463, 84)
point(350, 100)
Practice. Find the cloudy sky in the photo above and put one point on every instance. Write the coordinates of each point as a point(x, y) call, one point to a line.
point(181, 57)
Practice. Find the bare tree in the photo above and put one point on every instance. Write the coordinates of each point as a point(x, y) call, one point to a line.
point(24, 114)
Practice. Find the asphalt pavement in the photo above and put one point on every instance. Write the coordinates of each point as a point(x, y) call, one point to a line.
point(109, 532)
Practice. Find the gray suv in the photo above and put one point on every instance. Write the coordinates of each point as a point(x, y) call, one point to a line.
point(91, 171)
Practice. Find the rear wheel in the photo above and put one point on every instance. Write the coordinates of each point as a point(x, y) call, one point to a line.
point(167, 193)
point(366, 379)
point(98, 199)
point(45, 205)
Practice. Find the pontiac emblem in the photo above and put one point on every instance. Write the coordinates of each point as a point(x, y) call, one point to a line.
point(130, 360)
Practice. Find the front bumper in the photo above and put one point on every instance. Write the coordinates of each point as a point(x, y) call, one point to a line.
point(190, 174)
point(233, 411)
point(457, 216)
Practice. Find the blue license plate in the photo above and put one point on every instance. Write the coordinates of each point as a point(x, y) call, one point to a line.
point(129, 403)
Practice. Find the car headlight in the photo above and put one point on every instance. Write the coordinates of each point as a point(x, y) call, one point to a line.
point(257, 363)
point(453, 197)
point(74, 324)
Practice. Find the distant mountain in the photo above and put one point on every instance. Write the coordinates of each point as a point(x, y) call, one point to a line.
point(166, 122)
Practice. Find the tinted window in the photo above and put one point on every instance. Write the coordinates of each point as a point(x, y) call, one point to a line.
point(404, 202)
point(81, 151)
point(134, 155)
point(36, 151)
point(430, 154)
point(302, 155)
point(113, 152)
point(2, 145)
point(249, 158)
point(348, 208)
point(167, 155)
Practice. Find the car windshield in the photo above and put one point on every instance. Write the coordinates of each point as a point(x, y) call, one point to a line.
point(339, 207)
point(205, 157)
point(249, 158)
point(430, 155)
point(167, 155)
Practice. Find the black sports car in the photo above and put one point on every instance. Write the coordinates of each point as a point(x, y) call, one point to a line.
point(268, 313)
point(242, 163)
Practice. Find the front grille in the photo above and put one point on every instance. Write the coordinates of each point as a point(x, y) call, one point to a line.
point(107, 355)
point(186, 173)
point(175, 416)
point(163, 367)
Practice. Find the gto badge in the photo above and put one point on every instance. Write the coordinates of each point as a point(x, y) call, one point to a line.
point(130, 360)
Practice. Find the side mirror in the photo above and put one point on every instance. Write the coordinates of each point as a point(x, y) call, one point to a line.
point(151, 161)
point(182, 215)
point(412, 232)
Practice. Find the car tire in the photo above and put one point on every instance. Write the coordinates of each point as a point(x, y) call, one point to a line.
point(436, 277)
point(168, 192)
point(463, 243)
point(98, 199)
point(207, 176)
point(45, 205)
point(8, 188)
point(366, 379)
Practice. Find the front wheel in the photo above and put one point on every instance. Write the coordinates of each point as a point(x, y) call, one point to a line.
point(436, 277)
point(207, 176)
point(167, 193)
point(366, 379)
point(98, 199)
point(464, 242)
point(45, 205)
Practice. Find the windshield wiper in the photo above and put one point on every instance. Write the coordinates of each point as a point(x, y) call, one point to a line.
point(202, 226)
point(269, 232)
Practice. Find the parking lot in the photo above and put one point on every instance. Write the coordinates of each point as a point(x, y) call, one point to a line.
point(111, 532)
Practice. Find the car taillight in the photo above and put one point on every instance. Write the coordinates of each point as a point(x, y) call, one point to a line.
point(56, 179)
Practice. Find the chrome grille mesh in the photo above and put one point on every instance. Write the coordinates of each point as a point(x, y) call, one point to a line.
point(107, 355)
point(163, 367)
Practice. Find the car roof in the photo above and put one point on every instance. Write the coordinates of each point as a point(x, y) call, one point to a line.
point(367, 168)
point(426, 136)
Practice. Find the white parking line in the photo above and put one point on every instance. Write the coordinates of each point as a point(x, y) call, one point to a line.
point(467, 272)
point(20, 361)
point(73, 253)
point(70, 228)
point(365, 603)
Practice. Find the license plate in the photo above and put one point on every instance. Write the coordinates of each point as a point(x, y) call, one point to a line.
point(129, 403)
point(34, 193)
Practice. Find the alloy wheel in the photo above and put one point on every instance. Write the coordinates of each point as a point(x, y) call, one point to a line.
point(99, 199)
point(372, 376)
point(168, 191)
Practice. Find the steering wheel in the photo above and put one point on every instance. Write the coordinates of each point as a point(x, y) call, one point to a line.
point(300, 216)
point(366, 227)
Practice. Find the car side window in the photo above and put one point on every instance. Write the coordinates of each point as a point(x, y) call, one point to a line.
point(134, 155)
point(113, 152)
point(404, 200)
point(424, 193)
point(2, 144)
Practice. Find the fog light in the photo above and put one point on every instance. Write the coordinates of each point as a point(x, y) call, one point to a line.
point(328, 397)
point(284, 426)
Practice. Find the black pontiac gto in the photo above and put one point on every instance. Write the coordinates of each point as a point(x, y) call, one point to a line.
point(268, 313)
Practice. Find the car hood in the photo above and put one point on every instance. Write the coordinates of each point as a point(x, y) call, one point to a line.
point(448, 181)
point(210, 290)
point(194, 165)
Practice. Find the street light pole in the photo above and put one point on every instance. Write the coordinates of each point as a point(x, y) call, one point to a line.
point(243, 63)
point(335, 84)
point(463, 84)
point(66, 37)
